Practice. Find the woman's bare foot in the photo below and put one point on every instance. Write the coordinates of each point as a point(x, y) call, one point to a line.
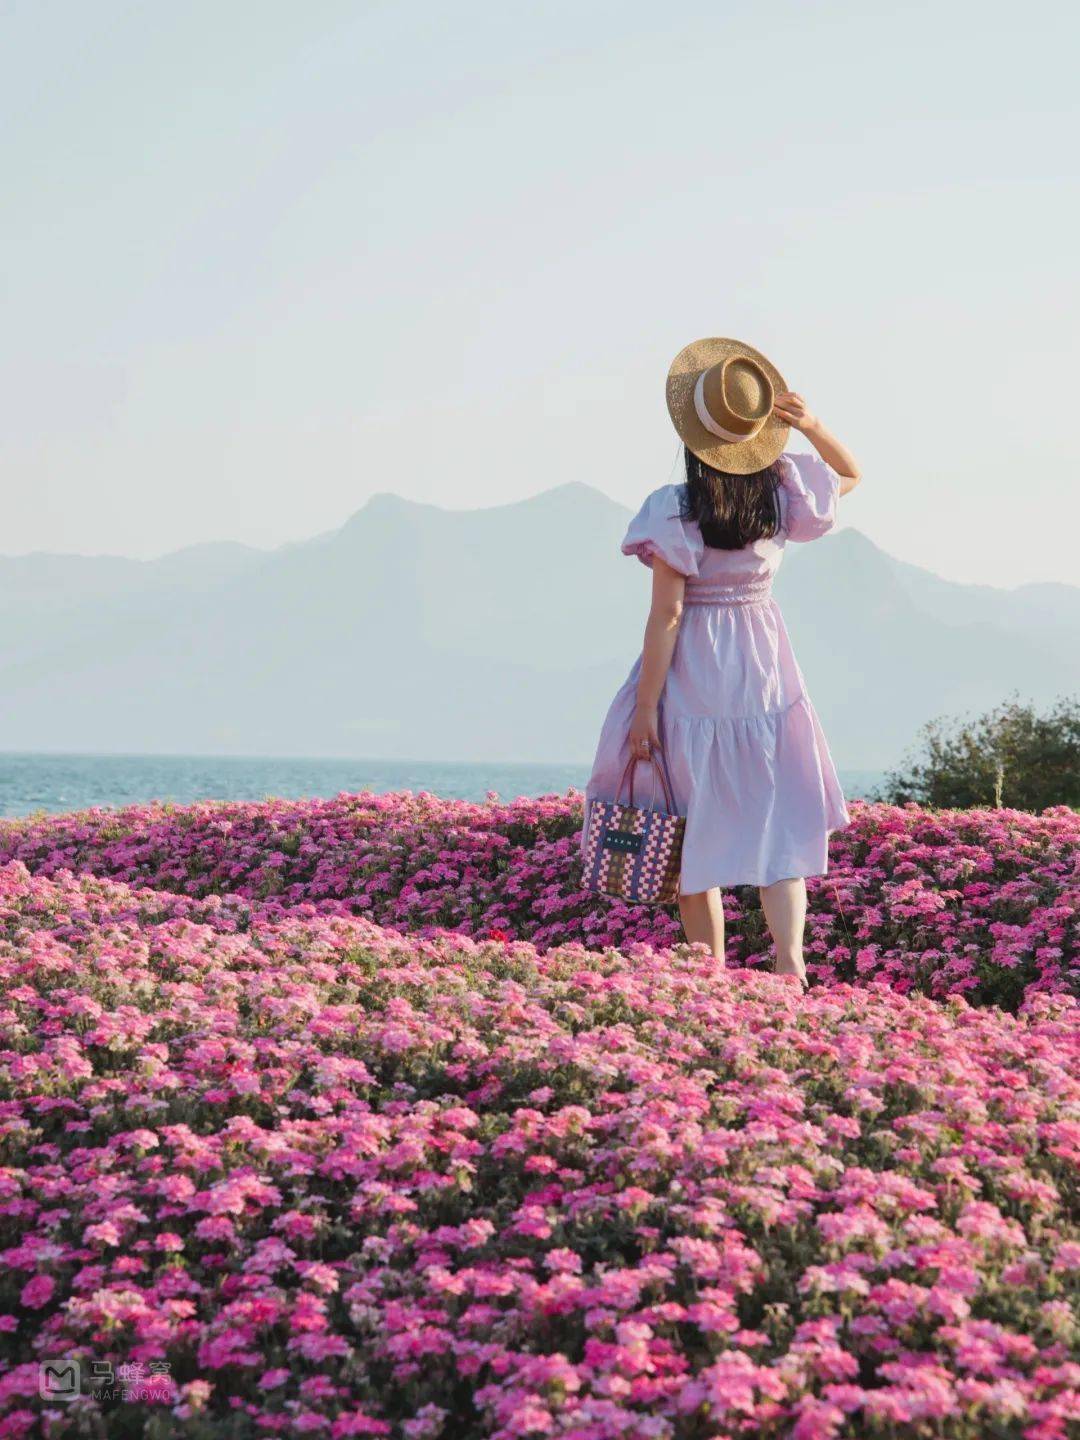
point(792, 967)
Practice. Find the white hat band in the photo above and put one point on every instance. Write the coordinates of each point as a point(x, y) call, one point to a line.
point(706, 419)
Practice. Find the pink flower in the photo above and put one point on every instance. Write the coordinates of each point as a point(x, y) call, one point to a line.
point(563, 1262)
point(37, 1292)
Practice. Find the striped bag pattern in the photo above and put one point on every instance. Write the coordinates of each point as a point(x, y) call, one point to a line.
point(633, 853)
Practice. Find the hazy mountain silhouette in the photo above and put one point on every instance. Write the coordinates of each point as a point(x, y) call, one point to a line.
point(502, 633)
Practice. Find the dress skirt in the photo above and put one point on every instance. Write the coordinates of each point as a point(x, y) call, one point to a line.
point(746, 756)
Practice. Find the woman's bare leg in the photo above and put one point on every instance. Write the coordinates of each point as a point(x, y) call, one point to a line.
point(703, 919)
point(785, 912)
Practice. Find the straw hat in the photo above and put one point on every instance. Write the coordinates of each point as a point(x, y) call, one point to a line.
point(720, 396)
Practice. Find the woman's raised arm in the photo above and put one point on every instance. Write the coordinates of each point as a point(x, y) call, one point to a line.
point(792, 408)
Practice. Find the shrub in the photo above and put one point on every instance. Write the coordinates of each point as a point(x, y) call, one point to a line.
point(1010, 756)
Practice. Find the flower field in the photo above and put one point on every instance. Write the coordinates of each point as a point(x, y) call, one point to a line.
point(295, 1145)
point(979, 903)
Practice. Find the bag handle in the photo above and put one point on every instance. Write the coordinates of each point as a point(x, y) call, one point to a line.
point(656, 760)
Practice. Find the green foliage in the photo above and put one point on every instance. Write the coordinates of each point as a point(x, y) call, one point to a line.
point(1010, 756)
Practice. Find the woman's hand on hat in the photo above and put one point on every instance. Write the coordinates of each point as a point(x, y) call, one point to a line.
point(644, 736)
point(794, 411)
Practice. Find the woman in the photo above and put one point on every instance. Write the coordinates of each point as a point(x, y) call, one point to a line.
point(717, 689)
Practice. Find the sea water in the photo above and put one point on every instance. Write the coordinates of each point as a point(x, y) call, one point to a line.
point(55, 783)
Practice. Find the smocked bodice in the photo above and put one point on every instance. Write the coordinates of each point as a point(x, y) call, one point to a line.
point(734, 577)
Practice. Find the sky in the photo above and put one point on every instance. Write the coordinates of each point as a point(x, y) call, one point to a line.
point(262, 259)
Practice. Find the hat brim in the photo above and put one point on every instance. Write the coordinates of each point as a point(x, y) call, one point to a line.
point(737, 457)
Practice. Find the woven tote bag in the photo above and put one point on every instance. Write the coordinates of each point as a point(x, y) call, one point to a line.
point(633, 853)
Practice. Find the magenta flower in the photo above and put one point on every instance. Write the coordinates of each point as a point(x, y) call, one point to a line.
point(37, 1292)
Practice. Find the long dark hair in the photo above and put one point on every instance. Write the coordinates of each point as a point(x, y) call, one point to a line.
point(732, 510)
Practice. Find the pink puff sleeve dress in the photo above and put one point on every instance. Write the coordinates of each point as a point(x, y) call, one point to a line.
point(748, 761)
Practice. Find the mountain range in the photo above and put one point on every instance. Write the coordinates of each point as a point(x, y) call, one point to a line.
point(416, 632)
